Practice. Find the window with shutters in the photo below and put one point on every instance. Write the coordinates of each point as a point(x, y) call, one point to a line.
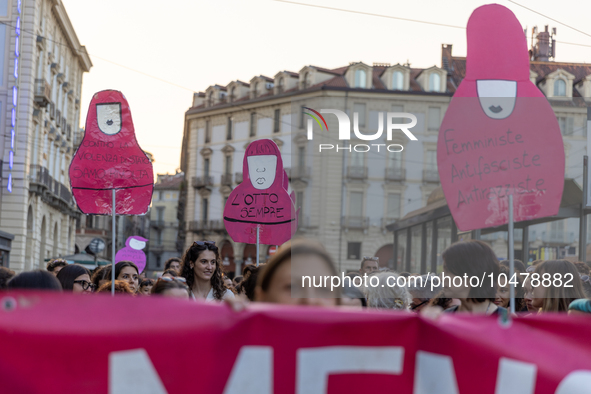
point(566, 125)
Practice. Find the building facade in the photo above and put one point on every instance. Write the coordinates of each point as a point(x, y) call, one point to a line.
point(41, 80)
point(345, 199)
point(164, 222)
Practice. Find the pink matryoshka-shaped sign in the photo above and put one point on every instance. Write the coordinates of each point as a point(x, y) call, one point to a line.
point(133, 251)
point(109, 157)
point(499, 135)
point(261, 200)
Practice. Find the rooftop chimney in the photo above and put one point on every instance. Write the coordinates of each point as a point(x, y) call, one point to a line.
point(544, 46)
point(446, 63)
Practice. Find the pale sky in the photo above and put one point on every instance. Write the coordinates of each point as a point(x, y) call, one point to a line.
point(196, 43)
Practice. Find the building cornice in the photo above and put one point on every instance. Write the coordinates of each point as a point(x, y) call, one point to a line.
point(286, 97)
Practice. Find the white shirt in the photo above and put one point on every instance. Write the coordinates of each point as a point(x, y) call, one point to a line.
point(210, 297)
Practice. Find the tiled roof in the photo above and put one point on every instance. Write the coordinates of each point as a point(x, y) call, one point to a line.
point(579, 70)
point(542, 69)
point(339, 82)
point(336, 71)
point(169, 182)
point(414, 85)
point(376, 81)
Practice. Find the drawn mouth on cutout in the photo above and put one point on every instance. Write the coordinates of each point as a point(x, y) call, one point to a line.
point(260, 181)
point(495, 109)
point(109, 122)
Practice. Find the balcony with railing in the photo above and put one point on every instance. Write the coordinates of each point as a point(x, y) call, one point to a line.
point(199, 182)
point(65, 194)
point(305, 222)
point(217, 225)
point(238, 177)
point(431, 176)
point(156, 249)
point(157, 224)
point(226, 180)
point(356, 222)
point(39, 175)
point(301, 173)
point(52, 191)
point(395, 174)
point(197, 226)
point(56, 187)
point(42, 92)
point(51, 108)
point(357, 172)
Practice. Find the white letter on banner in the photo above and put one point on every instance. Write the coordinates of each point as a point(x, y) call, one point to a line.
point(434, 374)
point(576, 382)
point(515, 377)
point(252, 372)
point(131, 371)
point(316, 364)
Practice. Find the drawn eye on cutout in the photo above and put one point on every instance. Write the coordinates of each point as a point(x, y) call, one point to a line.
point(108, 116)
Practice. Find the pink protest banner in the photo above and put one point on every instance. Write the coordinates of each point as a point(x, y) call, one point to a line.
point(66, 343)
point(133, 251)
point(109, 157)
point(499, 135)
point(261, 200)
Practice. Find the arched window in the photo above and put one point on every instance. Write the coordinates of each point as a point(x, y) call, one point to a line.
point(560, 88)
point(397, 81)
point(434, 82)
point(360, 79)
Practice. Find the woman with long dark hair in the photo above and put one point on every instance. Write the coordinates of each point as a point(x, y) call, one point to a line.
point(75, 278)
point(127, 272)
point(555, 285)
point(471, 259)
point(201, 269)
point(34, 280)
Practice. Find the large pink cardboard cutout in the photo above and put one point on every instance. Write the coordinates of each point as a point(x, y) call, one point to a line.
point(108, 158)
point(261, 200)
point(499, 135)
point(133, 251)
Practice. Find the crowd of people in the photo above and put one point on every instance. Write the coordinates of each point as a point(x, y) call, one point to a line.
point(199, 275)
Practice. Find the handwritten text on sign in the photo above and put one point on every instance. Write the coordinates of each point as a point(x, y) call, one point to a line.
point(253, 208)
point(478, 168)
point(481, 161)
